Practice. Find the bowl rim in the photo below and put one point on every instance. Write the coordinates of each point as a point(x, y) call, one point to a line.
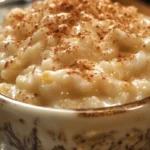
point(103, 110)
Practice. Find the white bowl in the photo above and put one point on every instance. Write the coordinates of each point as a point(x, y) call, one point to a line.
point(27, 127)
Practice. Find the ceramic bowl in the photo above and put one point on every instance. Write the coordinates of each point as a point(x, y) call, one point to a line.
point(27, 127)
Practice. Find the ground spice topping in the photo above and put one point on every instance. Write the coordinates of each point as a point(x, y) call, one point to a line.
point(75, 54)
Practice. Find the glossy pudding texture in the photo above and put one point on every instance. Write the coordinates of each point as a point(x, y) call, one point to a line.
point(75, 54)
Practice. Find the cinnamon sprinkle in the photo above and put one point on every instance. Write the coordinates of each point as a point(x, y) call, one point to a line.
point(91, 39)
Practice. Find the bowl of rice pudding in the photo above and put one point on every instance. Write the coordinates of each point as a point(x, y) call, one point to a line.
point(74, 75)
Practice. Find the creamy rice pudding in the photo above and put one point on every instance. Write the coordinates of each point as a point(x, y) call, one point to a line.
point(75, 54)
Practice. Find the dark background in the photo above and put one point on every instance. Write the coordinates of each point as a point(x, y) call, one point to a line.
point(147, 1)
